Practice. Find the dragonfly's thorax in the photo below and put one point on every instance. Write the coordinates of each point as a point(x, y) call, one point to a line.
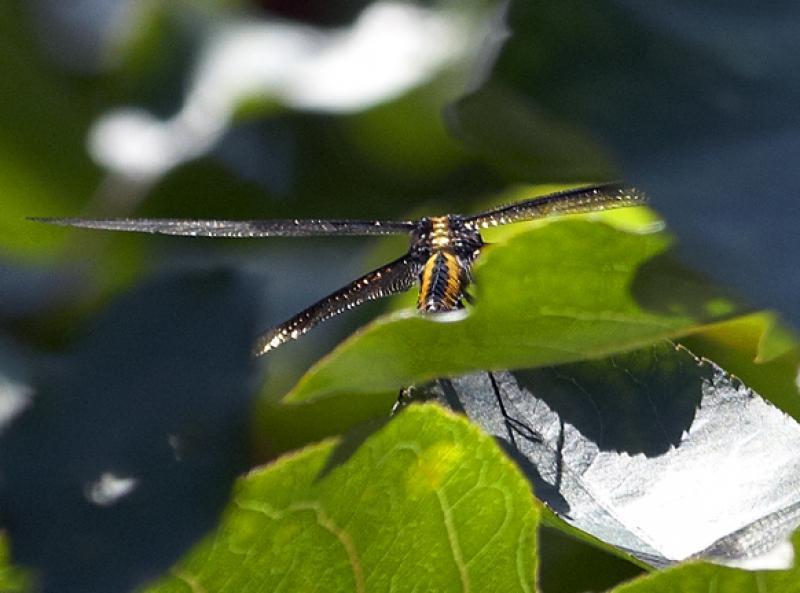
point(441, 233)
point(445, 233)
point(445, 247)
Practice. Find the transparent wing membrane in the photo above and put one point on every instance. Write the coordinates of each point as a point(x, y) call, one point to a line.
point(239, 228)
point(587, 199)
point(397, 276)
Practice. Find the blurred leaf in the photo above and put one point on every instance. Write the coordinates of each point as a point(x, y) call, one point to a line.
point(655, 452)
point(424, 503)
point(127, 454)
point(44, 162)
point(282, 427)
point(698, 577)
point(737, 345)
point(525, 143)
point(12, 579)
point(776, 340)
point(32, 290)
point(421, 148)
point(697, 102)
point(566, 291)
point(16, 390)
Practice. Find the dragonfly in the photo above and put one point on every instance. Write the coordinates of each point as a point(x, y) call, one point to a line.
point(442, 249)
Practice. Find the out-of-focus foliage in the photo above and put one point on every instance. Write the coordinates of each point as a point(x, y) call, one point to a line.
point(124, 108)
point(121, 462)
point(696, 102)
point(11, 579)
point(44, 163)
point(738, 344)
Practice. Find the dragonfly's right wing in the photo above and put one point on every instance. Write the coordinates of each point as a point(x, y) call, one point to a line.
point(574, 201)
point(397, 276)
point(239, 228)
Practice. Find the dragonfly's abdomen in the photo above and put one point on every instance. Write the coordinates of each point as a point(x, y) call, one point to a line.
point(441, 283)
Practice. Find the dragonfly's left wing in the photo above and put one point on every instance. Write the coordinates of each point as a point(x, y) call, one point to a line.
point(575, 201)
point(239, 229)
point(397, 276)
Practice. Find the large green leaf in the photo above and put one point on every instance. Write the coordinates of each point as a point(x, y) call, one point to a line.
point(425, 503)
point(563, 292)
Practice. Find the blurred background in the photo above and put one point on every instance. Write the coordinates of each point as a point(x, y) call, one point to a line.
point(353, 109)
point(229, 110)
point(244, 109)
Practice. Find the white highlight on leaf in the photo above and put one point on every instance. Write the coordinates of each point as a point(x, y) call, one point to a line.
point(176, 445)
point(779, 557)
point(449, 316)
point(390, 48)
point(797, 379)
point(14, 398)
point(657, 226)
point(726, 493)
point(109, 488)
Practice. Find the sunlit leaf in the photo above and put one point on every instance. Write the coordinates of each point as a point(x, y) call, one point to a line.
point(655, 452)
point(423, 503)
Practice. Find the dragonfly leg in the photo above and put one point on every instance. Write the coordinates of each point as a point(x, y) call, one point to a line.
point(404, 398)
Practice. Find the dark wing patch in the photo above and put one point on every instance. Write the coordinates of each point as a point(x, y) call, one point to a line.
point(397, 276)
point(239, 228)
point(575, 201)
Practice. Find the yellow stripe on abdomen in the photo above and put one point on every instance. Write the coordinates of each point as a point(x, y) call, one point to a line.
point(441, 283)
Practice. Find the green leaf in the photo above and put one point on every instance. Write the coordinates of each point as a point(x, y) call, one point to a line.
point(283, 427)
point(425, 503)
point(563, 292)
point(707, 578)
point(776, 341)
point(525, 142)
point(738, 346)
point(12, 579)
point(42, 140)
